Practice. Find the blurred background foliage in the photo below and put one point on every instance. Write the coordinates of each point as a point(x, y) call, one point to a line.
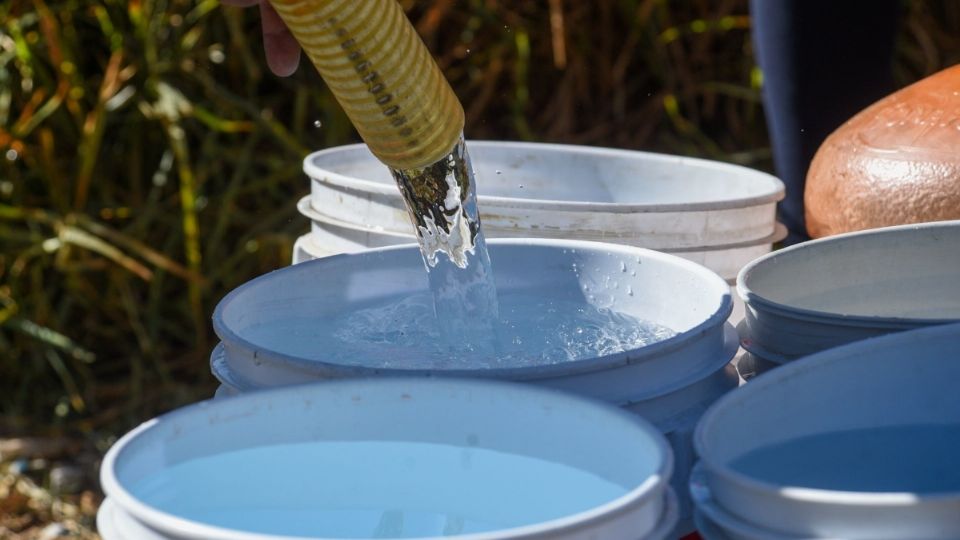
point(149, 162)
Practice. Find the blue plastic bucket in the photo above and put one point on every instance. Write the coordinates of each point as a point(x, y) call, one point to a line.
point(670, 382)
point(858, 442)
point(397, 458)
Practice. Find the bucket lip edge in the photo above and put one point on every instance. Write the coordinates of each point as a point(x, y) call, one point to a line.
point(810, 363)
point(656, 484)
point(306, 209)
point(725, 355)
point(756, 300)
point(776, 192)
point(750, 345)
point(586, 365)
point(727, 352)
point(703, 502)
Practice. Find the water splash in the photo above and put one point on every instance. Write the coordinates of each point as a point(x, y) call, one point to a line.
point(442, 202)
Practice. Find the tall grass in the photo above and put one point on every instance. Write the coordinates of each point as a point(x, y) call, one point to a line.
point(149, 163)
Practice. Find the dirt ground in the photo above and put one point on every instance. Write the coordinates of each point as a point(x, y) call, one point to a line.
point(48, 489)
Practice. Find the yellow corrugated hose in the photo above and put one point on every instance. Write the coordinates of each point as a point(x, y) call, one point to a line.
point(382, 74)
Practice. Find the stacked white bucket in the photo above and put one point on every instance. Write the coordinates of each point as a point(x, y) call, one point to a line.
point(716, 214)
point(837, 290)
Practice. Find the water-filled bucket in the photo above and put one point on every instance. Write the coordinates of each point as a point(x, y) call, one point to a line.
point(669, 382)
point(398, 458)
point(662, 202)
point(828, 292)
point(857, 442)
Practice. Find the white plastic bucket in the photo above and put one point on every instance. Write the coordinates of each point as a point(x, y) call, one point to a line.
point(828, 292)
point(327, 237)
point(537, 190)
point(670, 383)
point(871, 405)
point(467, 418)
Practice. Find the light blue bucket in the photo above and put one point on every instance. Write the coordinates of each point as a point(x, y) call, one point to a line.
point(670, 382)
point(397, 458)
point(857, 442)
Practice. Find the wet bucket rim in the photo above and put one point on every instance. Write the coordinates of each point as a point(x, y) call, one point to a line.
point(775, 193)
point(761, 303)
point(720, 518)
point(723, 357)
point(587, 365)
point(306, 209)
point(656, 485)
point(814, 363)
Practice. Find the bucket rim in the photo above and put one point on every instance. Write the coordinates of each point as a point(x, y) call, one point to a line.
point(750, 345)
point(656, 485)
point(220, 368)
point(306, 209)
point(763, 304)
point(710, 324)
point(775, 192)
point(719, 518)
point(815, 363)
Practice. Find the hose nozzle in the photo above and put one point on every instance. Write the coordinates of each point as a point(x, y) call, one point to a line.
point(382, 74)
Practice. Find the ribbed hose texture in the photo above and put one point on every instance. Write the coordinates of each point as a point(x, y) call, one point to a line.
point(382, 74)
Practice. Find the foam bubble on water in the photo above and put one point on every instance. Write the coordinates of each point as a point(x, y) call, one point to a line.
point(406, 333)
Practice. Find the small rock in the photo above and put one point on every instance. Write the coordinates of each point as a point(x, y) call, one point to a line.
point(66, 479)
point(19, 467)
point(33, 447)
point(52, 531)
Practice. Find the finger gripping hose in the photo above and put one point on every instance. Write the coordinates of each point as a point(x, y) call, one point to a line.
point(382, 74)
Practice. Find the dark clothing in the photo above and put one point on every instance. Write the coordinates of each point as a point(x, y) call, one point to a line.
point(823, 61)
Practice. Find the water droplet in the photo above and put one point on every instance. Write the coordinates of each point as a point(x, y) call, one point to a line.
point(579, 330)
point(629, 290)
point(633, 273)
point(216, 55)
point(499, 172)
point(520, 186)
point(623, 266)
point(317, 123)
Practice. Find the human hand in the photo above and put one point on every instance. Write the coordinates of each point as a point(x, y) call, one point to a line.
point(282, 50)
